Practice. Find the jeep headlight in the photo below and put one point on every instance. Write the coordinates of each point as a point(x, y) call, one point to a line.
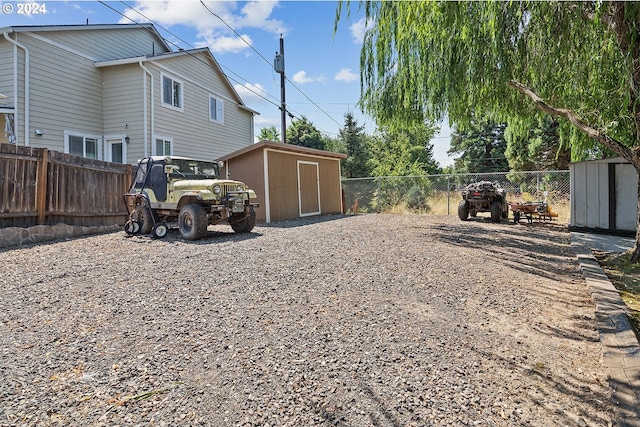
point(217, 189)
point(240, 187)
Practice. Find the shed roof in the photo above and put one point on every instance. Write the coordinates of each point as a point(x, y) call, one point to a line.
point(284, 147)
point(617, 160)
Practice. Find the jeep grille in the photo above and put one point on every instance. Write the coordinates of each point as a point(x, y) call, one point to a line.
point(227, 188)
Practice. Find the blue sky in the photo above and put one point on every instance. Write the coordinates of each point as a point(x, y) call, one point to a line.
point(322, 67)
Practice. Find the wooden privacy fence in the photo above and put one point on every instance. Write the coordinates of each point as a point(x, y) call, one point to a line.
point(43, 187)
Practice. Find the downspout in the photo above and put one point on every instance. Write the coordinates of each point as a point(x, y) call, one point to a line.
point(16, 97)
point(146, 133)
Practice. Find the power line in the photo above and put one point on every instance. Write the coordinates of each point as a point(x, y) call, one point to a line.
point(236, 33)
point(267, 61)
point(187, 52)
point(191, 46)
point(217, 70)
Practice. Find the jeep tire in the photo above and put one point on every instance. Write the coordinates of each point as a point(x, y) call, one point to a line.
point(192, 222)
point(496, 210)
point(144, 219)
point(246, 224)
point(463, 210)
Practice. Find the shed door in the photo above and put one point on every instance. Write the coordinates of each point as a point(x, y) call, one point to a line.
point(308, 188)
point(626, 197)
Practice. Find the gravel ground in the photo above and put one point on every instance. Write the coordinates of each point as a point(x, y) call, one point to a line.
point(367, 320)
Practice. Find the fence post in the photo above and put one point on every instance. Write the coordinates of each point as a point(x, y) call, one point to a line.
point(448, 192)
point(41, 186)
point(379, 194)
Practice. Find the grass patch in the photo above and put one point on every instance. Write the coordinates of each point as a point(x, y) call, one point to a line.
point(625, 277)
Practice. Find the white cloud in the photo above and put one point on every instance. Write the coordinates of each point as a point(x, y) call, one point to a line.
point(210, 28)
point(256, 14)
point(358, 29)
point(346, 75)
point(174, 12)
point(301, 77)
point(251, 92)
point(223, 44)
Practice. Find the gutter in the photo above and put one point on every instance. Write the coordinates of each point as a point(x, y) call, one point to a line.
point(16, 98)
point(146, 132)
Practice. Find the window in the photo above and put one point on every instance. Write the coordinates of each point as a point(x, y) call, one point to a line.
point(216, 109)
point(115, 148)
point(162, 147)
point(171, 92)
point(82, 145)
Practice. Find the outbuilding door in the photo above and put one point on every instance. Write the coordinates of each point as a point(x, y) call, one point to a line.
point(308, 188)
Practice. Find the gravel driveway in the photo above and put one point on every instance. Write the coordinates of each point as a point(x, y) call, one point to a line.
point(367, 320)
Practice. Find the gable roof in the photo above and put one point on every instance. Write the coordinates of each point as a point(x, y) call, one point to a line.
point(168, 52)
point(43, 28)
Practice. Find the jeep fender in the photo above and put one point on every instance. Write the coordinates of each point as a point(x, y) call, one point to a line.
point(189, 198)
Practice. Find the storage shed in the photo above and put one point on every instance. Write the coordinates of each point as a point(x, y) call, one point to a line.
point(290, 181)
point(604, 196)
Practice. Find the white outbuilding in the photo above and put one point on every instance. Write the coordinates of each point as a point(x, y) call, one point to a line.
point(604, 196)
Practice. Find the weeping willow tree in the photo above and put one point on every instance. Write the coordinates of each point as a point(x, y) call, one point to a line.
point(509, 61)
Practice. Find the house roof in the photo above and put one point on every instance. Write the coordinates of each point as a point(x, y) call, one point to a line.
point(283, 147)
point(134, 60)
point(41, 28)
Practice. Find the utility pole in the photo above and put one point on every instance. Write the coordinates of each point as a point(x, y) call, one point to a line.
point(278, 66)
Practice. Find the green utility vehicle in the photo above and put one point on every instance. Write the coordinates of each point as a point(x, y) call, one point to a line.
point(187, 194)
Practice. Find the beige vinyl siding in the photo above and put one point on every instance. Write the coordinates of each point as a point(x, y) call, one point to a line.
point(203, 137)
point(106, 45)
point(6, 82)
point(123, 96)
point(6, 71)
point(65, 89)
point(7, 87)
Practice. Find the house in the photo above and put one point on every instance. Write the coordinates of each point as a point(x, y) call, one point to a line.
point(290, 181)
point(116, 93)
point(604, 196)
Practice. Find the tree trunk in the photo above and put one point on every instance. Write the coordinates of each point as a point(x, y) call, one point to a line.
point(635, 255)
point(629, 154)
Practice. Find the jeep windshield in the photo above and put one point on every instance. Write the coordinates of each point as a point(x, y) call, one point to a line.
point(175, 168)
point(193, 169)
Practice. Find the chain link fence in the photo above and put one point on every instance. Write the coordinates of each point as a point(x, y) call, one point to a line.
point(440, 194)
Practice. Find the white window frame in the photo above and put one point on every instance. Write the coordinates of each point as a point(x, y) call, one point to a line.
point(164, 140)
point(84, 136)
point(107, 147)
point(219, 111)
point(180, 107)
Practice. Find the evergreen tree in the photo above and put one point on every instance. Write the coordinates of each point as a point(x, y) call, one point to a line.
point(403, 151)
point(536, 148)
point(480, 146)
point(303, 133)
point(356, 165)
point(335, 145)
point(270, 133)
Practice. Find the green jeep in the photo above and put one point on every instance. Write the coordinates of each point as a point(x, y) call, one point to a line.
point(178, 192)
